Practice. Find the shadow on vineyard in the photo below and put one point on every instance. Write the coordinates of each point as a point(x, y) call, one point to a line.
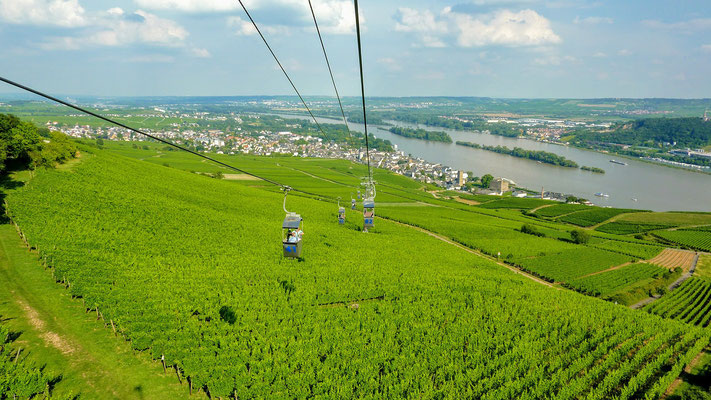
point(7, 183)
point(698, 384)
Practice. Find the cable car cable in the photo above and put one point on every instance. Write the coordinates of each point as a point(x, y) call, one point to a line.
point(281, 66)
point(177, 146)
point(330, 71)
point(362, 91)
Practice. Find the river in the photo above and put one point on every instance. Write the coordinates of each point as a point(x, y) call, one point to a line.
point(655, 187)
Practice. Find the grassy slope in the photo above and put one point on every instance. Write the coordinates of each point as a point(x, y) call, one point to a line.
point(432, 279)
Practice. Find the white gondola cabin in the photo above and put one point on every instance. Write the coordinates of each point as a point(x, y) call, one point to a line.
point(291, 237)
point(368, 213)
point(341, 215)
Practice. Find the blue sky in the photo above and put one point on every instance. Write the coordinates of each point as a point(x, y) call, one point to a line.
point(496, 48)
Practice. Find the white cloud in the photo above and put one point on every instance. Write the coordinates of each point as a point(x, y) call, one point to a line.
point(600, 54)
point(390, 63)
point(411, 20)
point(503, 27)
point(154, 58)
point(245, 28)
point(334, 16)
point(200, 53)
point(118, 29)
point(697, 24)
point(190, 5)
point(593, 20)
point(554, 60)
point(624, 52)
point(65, 13)
point(706, 48)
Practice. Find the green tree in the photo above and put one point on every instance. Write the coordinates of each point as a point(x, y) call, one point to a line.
point(580, 236)
point(18, 139)
point(486, 180)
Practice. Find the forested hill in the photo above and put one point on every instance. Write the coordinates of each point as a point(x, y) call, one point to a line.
point(685, 132)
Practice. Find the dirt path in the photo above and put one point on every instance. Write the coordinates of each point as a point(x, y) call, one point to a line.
point(606, 270)
point(465, 201)
point(538, 208)
point(476, 253)
point(613, 219)
point(240, 177)
point(55, 331)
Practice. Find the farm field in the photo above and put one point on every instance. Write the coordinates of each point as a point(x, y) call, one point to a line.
point(234, 318)
point(672, 258)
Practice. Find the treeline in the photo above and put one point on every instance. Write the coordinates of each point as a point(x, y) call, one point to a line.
point(655, 132)
point(593, 169)
point(24, 145)
point(542, 156)
point(500, 129)
point(435, 136)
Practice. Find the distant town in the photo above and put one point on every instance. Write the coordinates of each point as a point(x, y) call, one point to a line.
point(285, 142)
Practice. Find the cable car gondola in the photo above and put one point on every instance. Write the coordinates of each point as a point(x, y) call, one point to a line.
point(341, 213)
point(359, 195)
point(368, 213)
point(353, 202)
point(291, 231)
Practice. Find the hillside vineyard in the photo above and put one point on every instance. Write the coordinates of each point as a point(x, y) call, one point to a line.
point(190, 268)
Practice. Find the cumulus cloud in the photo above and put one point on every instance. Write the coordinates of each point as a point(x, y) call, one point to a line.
point(112, 28)
point(64, 13)
point(190, 5)
point(334, 16)
point(117, 28)
point(503, 27)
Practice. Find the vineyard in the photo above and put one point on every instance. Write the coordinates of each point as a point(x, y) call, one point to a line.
point(189, 268)
point(611, 281)
point(560, 209)
point(571, 264)
point(691, 303)
point(628, 228)
point(517, 203)
point(17, 378)
point(594, 216)
point(695, 239)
